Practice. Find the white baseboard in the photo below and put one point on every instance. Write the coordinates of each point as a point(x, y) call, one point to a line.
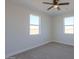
point(63, 43)
point(15, 53)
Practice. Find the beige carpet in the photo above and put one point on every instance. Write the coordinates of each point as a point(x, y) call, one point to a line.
point(49, 51)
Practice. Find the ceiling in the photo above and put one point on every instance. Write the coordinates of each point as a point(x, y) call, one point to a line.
point(37, 4)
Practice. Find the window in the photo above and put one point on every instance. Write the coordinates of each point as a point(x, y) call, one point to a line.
point(34, 25)
point(69, 25)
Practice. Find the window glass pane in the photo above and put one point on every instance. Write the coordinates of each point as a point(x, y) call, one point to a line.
point(69, 29)
point(34, 20)
point(34, 30)
point(69, 21)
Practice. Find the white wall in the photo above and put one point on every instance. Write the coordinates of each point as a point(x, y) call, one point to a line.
point(57, 30)
point(17, 29)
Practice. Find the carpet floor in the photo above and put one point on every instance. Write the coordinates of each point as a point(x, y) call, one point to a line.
point(49, 51)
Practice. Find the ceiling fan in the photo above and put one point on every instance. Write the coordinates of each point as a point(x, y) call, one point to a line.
point(55, 4)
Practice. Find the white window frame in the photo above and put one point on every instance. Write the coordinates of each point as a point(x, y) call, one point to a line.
point(39, 29)
point(69, 25)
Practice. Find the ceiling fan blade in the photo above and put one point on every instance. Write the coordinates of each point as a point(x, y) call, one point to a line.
point(58, 8)
point(48, 3)
point(50, 7)
point(67, 3)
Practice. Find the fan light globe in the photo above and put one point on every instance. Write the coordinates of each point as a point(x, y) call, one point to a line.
point(55, 6)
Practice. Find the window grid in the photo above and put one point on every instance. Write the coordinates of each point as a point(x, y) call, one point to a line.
point(34, 25)
point(69, 28)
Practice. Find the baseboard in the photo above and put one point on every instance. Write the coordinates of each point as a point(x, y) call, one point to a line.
point(18, 52)
point(62, 43)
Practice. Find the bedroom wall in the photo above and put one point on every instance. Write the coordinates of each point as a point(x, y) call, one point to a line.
point(17, 29)
point(57, 30)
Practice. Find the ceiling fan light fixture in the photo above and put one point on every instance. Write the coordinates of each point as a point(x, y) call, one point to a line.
point(55, 6)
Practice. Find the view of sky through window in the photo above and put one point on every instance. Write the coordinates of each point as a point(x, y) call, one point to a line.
point(69, 21)
point(34, 20)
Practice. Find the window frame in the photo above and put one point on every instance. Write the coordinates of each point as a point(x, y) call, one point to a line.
point(69, 25)
point(35, 25)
